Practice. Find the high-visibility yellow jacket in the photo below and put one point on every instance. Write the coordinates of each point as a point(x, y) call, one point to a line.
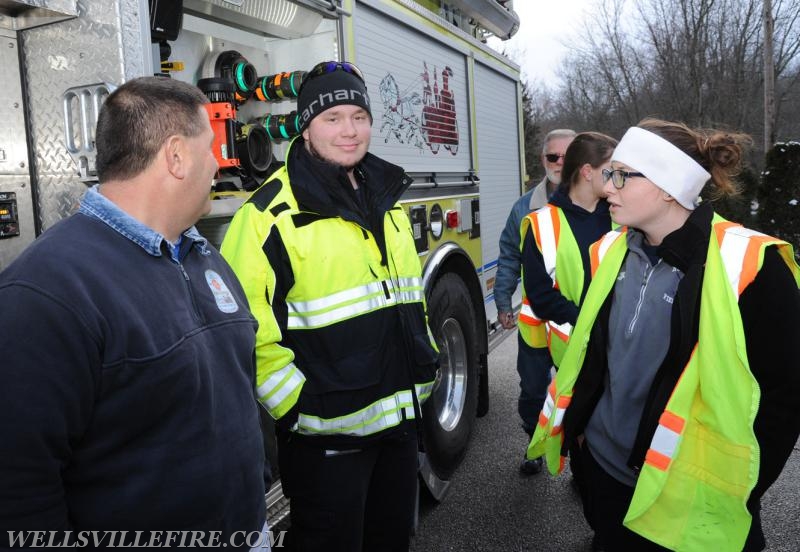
point(343, 343)
point(703, 458)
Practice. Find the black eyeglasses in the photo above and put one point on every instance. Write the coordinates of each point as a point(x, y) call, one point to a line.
point(618, 177)
point(553, 157)
point(330, 66)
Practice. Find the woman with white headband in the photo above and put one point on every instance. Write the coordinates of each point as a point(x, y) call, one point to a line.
point(680, 381)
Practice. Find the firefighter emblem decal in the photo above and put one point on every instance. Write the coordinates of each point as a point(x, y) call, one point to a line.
point(423, 119)
point(222, 295)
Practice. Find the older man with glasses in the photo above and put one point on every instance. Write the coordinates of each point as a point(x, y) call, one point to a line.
point(533, 363)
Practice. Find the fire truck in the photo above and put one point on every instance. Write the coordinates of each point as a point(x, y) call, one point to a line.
point(446, 107)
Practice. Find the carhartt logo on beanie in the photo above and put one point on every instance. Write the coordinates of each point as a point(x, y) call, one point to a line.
point(331, 89)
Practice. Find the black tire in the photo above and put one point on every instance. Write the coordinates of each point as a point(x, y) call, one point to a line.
point(449, 413)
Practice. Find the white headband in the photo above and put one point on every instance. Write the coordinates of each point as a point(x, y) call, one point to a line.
point(662, 163)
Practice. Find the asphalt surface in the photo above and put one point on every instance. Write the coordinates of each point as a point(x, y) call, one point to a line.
point(491, 507)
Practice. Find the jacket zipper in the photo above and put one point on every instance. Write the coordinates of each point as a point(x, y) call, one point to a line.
point(395, 284)
point(408, 338)
point(640, 301)
point(188, 282)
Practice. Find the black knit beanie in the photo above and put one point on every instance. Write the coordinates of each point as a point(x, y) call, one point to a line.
point(331, 89)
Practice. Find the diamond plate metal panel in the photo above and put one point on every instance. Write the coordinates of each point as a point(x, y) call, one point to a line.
point(106, 43)
point(14, 170)
point(13, 150)
point(58, 197)
point(25, 14)
point(63, 6)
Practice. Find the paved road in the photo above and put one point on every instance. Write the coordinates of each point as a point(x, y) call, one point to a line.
point(492, 508)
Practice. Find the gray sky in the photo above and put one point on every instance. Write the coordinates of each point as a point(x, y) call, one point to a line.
point(545, 25)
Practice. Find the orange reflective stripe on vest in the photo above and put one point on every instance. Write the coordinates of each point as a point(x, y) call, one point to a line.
point(741, 248)
point(526, 314)
point(549, 404)
point(551, 407)
point(560, 331)
point(532, 328)
point(665, 440)
point(599, 248)
point(547, 231)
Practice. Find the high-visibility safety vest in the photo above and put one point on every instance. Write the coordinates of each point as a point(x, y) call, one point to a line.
point(703, 459)
point(562, 260)
point(324, 295)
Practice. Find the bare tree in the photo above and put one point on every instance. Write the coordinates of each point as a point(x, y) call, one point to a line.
point(699, 61)
point(786, 14)
point(534, 103)
point(769, 77)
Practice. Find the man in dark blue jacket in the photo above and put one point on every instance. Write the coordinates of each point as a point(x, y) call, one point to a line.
point(126, 385)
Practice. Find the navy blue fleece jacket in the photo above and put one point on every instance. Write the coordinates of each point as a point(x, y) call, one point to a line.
point(126, 384)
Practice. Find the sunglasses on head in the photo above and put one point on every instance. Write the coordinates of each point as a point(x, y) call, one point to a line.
point(553, 157)
point(330, 66)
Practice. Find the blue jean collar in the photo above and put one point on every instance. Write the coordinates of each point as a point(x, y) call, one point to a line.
point(97, 206)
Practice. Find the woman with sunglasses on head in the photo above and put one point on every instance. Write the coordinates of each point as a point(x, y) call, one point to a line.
point(555, 251)
point(680, 381)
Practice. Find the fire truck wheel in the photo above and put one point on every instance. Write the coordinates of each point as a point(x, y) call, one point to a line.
point(449, 413)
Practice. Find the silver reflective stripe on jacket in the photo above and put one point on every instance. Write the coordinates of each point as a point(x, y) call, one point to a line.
point(423, 390)
point(279, 386)
point(380, 415)
point(352, 302)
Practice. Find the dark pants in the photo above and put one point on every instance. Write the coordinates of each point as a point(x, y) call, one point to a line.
point(350, 501)
point(606, 501)
point(533, 366)
point(576, 466)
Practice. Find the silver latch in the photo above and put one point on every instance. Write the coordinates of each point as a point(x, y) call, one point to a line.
point(81, 110)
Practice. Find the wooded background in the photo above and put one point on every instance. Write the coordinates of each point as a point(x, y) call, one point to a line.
point(696, 61)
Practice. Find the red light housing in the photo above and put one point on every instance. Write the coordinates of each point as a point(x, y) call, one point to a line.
point(452, 219)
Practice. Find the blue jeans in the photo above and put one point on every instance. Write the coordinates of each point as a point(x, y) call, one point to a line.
point(533, 366)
